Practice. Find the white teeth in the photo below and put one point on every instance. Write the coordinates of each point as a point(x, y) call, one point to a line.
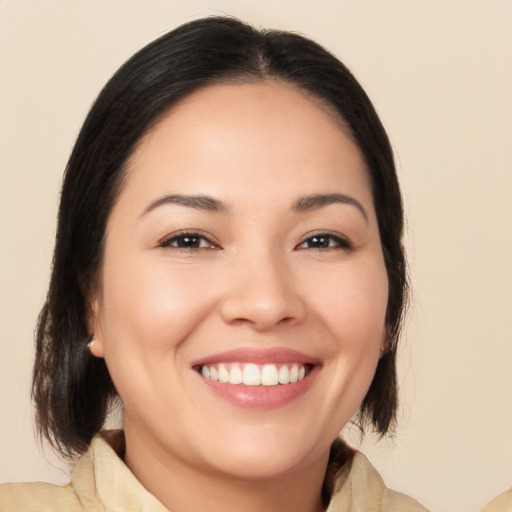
point(223, 374)
point(284, 375)
point(235, 375)
point(253, 375)
point(269, 375)
point(294, 373)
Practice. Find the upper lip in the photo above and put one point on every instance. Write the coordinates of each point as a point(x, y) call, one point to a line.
point(276, 355)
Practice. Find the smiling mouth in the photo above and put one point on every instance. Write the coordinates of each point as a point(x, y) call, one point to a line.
point(250, 374)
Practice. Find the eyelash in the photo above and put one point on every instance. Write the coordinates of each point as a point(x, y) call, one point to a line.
point(176, 238)
point(340, 242)
point(334, 241)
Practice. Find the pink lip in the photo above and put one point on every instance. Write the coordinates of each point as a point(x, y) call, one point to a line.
point(258, 356)
point(259, 397)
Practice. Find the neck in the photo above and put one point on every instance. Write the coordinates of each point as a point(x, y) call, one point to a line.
point(181, 487)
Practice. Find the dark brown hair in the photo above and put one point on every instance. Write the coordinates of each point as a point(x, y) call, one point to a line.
point(71, 389)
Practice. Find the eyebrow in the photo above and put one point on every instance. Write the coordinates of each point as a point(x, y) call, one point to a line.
point(210, 204)
point(199, 202)
point(317, 201)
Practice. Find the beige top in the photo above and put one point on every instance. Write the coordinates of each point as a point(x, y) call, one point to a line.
point(101, 482)
point(502, 503)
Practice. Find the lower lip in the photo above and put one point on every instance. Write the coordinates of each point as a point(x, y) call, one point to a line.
point(261, 397)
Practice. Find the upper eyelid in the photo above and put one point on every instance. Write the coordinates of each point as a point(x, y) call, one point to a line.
point(344, 240)
point(165, 241)
point(323, 232)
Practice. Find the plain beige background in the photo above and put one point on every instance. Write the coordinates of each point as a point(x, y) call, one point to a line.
point(440, 75)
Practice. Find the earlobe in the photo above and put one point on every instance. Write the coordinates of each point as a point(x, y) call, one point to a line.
point(95, 348)
point(384, 347)
point(95, 344)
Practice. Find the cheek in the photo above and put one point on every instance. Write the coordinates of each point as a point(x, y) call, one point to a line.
point(155, 309)
point(144, 321)
point(354, 306)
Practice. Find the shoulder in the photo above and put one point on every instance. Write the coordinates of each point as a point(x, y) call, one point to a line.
point(366, 477)
point(38, 496)
point(79, 495)
point(360, 487)
point(100, 481)
point(502, 503)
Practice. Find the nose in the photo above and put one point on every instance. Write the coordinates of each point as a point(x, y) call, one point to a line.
point(262, 293)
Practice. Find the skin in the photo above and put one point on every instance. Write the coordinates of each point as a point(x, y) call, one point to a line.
point(257, 280)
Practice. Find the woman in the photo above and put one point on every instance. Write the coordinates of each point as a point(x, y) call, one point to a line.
point(228, 264)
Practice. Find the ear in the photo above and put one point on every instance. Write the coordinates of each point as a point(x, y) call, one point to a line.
point(385, 341)
point(94, 327)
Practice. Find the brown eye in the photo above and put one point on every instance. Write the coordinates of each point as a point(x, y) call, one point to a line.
point(318, 242)
point(325, 241)
point(190, 241)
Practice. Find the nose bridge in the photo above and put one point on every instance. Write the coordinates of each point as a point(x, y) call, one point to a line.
point(262, 291)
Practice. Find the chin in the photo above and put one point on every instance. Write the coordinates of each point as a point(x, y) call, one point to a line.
point(260, 465)
point(257, 457)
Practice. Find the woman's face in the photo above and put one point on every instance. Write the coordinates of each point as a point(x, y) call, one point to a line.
point(243, 291)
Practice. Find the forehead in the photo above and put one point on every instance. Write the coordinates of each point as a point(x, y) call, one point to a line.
point(266, 132)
